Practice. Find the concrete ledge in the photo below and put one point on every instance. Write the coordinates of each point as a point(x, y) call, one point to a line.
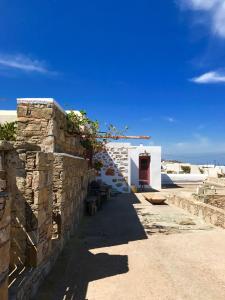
point(210, 214)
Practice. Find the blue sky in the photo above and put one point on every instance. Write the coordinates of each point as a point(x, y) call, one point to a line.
point(156, 66)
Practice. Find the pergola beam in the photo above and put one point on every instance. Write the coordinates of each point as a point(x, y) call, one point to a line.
point(125, 137)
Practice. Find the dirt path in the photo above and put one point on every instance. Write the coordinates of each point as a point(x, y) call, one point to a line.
point(133, 250)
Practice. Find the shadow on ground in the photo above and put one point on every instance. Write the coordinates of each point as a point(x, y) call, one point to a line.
point(117, 223)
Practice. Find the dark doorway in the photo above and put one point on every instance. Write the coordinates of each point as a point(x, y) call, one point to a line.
point(144, 169)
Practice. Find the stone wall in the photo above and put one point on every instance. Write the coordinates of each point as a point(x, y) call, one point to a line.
point(210, 214)
point(43, 122)
point(216, 181)
point(215, 200)
point(43, 184)
point(115, 166)
point(38, 199)
point(70, 183)
point(5, 203)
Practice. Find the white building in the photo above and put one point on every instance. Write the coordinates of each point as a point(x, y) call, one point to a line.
point(124, 165)
point(8, 116)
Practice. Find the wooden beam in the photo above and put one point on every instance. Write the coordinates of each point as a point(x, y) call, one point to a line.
point(125, 137)
point(116, 137)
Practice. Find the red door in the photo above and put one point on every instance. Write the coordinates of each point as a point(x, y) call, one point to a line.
point(144, 169)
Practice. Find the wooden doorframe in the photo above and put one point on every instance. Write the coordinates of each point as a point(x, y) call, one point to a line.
point(144, 175)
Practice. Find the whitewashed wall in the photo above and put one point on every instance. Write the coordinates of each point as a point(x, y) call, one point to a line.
point(115, 166)
point(170, 179)
point(121, 165)
point(8, 116)
point(155, 165)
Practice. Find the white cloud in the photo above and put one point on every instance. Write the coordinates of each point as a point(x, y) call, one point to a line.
point(214, 9)
point(169, 119)
point(199, 4)
point(219, 20)
point(23, 63)
point(210, 77)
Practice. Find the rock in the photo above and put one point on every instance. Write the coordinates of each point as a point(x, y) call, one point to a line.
point(186, 222)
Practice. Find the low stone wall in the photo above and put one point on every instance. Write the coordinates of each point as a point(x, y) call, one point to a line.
point(216, 181)
point(211, 215)
point(215, 200)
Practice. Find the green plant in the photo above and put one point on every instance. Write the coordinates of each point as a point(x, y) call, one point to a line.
point(221, 175)
point(98, 165)
point(186, 169)
point(78, 123)
point(8, 131)
point(88, 130)
point(201, 170)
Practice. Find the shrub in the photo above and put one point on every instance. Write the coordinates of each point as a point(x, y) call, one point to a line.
point(98, 165)
point(8, 131)
point(186, 169)
point(201, 170)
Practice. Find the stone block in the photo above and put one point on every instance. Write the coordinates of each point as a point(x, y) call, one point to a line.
point(4, 288)
point(4, 256)
point(22, 110)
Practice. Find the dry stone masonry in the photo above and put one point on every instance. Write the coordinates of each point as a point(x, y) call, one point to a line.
point(187, 201)
point(43, 123)
point(5, 201)
point(43, 184)
point(115, 166)
point(70, 182)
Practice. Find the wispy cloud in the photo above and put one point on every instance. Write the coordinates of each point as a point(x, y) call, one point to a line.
point(210, 77)
point(23, 63)
point(200, 4)
point(170, 119)
point(214, 11)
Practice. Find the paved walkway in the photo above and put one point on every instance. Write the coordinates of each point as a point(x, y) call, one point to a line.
point(132, 250)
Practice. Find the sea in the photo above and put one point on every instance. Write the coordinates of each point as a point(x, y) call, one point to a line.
point(217, 159)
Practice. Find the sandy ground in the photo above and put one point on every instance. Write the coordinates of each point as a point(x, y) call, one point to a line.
point(133, 250)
